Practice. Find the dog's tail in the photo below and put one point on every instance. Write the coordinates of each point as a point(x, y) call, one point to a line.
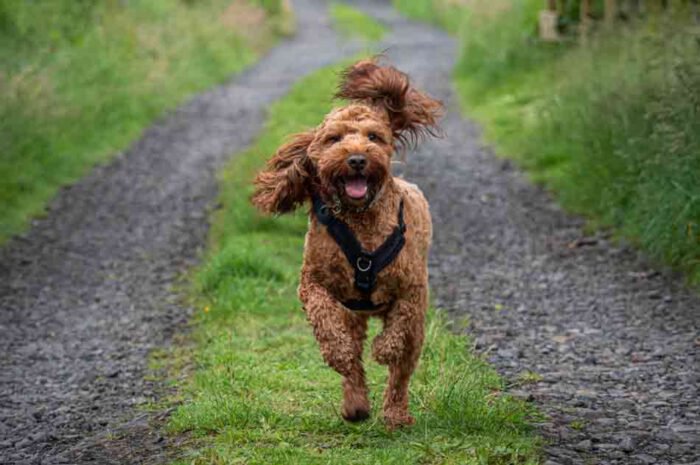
point(412, 113)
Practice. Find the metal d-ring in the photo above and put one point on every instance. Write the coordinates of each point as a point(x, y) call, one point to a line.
point(359, 264)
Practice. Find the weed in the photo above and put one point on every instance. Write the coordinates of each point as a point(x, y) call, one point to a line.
point(528, 377)
point(577, 425)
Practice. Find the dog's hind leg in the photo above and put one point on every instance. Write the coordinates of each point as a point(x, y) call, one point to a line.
point(340, 335)
point(399, 346)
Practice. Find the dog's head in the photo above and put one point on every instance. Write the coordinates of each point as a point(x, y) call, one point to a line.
point(348, 156)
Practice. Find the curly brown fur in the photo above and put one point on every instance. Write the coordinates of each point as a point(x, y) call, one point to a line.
point(412, 113)
point(283, 186)
point(385, 111)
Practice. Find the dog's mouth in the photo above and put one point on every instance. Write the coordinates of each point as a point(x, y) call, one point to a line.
point(356, 187)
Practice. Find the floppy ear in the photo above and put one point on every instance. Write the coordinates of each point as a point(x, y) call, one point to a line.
point(412, 113)
point(284, 184)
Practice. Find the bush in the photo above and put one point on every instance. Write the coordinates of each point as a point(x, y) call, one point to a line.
point(625, 126)
point(612, 127)
point(79, 79)
point(272, 7)
point(498, 44)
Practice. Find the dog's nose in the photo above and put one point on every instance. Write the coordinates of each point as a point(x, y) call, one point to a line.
point(357, 162)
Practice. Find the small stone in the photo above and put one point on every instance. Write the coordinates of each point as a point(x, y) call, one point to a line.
point(561, 454)
point(661, 447)
point(24, 443)
point(627, 444)
point(644, 458)
point(680, 448)
point(522, 395)
point(685, 428)
point(605, 421)
point(584, 445)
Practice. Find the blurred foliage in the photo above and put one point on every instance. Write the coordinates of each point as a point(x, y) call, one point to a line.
point(500, 41)
point(619, 139)
point(445, 13)
point(612, 127)
point(79, 79)
point(272, 7)
point(352, 22)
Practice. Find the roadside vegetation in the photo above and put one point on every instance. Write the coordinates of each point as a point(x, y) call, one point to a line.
point(612, 127)
point(351, 22)
point(79, 80)
point(261, 393)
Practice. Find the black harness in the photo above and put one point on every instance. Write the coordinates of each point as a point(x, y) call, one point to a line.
point(367, 265)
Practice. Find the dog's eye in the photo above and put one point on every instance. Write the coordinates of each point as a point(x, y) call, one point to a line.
point(333, 139)
point(373, 137)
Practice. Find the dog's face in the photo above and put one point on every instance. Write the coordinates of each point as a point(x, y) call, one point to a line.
point(351, 154)
point(348, 156)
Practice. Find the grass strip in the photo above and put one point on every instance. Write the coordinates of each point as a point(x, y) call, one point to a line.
point(261, 393)
point(611, 128)
point(351, 22)
point(80, 80)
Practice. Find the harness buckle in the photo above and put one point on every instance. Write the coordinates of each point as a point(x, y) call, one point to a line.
point(363, 263)
point(324, 211)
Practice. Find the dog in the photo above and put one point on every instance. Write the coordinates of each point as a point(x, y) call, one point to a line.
point(366, 249)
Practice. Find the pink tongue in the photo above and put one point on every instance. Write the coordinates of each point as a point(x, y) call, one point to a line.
point(356, 188)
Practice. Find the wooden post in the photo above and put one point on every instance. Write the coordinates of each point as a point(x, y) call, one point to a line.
point(610, 13)
point(585, 20)
point(634, 8)
point(548, 22)
point(654, 7)
point(561, 7)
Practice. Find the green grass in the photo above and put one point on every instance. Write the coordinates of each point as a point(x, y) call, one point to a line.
point(351, 22)
point(612, 128)
point(444, 13)
point(261, 393)
point(79, 80)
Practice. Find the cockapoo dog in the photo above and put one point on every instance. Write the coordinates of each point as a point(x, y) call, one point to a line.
point(366, 249)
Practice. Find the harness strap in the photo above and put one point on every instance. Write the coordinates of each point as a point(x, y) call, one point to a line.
point(364, 305)
point(367, 265)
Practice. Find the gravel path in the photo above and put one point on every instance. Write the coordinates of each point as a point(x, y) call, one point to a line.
point(87, 293)
point(615, 341)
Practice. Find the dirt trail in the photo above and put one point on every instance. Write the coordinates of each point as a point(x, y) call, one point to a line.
point(87, 292)
point(615, 341)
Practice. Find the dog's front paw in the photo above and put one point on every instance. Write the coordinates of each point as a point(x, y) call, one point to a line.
point(355, 414)
point(397, 418)
point(355, 400)
point(386, 351)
